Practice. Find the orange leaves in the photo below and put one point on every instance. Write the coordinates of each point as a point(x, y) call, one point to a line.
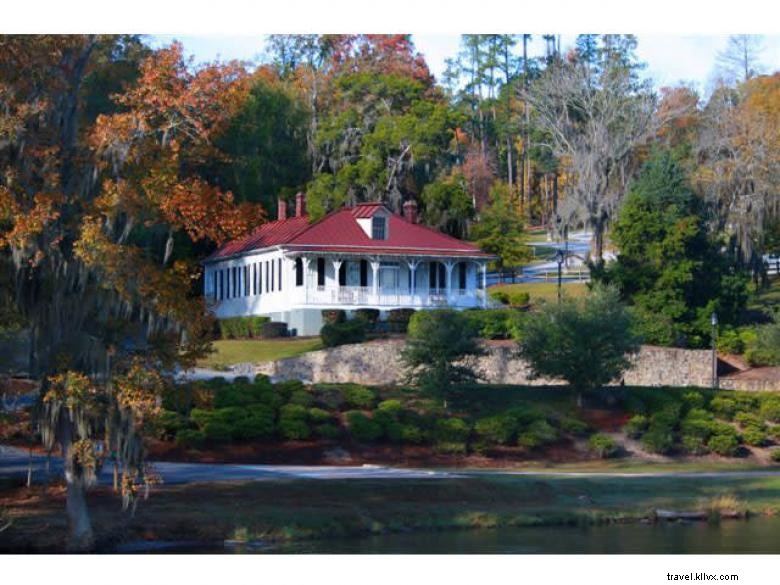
point(204, 211)
point(26, 223)
point(71, 388)
point(139, 390)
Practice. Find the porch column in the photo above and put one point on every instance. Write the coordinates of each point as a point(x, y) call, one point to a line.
point(449, 265)
point(336, 268)
point(375, 281)
point(484, 285)
point(413, 272)
point(306, 260)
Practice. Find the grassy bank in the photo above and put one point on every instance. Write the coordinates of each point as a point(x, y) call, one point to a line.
point(546, 291)
point(235, 351)
point(311, 509)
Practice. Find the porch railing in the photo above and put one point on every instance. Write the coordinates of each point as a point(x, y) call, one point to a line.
point(362, 296)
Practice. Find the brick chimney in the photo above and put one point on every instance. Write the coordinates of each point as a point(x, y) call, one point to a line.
point(281, 206)
point(300, 204)
point(410, 211)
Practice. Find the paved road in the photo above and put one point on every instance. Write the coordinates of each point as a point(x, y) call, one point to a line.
point(13, 463)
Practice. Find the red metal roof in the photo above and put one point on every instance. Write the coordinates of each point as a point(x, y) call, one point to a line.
point(339, 231)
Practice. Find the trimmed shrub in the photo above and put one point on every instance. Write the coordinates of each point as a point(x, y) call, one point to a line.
point(319, 416)
point(189, 438)
point(452, 430)
point(451, 448)
point(398, 320)
point(292, 422)
point(658, 440)
point(358, 396)
point(574, 426)
point(724, 444)
point(288, 387)
point(412, 434)
point(498, 429)
point(328, 395)
point(636, 426)
point(519, 299)
point(255, 422)
point(496, 323)
point(538, 433)
point(693, 399)
point(273, 329)
point(391, 426)
point(369, 316)
point(603, 445)
point(755, 436)
point(333, 316)
point(327, 431)
point(699, 423)
point(770, 409)
point(168, 424)
point(748, 419)
point(723, 407)
point(694, 445)
point(301, 397)
point(242, 327)
point(342, 333)
point(500, 296)
point(775, 456)
point(362, 428)
point(393, 407)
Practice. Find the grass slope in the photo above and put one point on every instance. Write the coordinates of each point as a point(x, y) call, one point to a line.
point(547, 291)
point(235, 351)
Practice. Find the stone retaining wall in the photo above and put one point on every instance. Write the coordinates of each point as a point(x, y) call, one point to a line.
point(379, 362)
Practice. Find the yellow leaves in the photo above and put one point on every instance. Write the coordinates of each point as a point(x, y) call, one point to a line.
point(71, 388)
point(139, 390)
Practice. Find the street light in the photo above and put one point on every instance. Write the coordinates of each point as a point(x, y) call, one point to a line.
point(714, 322)
point(559, 257)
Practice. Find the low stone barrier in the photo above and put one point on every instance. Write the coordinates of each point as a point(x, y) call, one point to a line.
point(378, 362)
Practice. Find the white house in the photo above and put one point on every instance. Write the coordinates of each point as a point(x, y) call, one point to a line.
point(356, 257)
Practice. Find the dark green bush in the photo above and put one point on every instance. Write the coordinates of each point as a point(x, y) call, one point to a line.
point(328, 431)
point(537, 434)
point(358, 396)
point(369, 316)
point(301, 397)
point(293, 423)
point(452, 430)
point(636, 425)
point(398, 320)
point(658, 440)
point(273, 329)
point(329, 396)
point(755, 436)
point(254, 422)
point(770, 408)
point(603, 445)
point(168, 424)
point(190, 438)
point(500, 296)
point(699, 423)
point(775, 456)
point(333, 316)
point(693, 399)
point(499, 429)
point(694, 445)
point(749, 419)
point(242, 327)
point(362, 428)
point(288, 387)
point(353, 331)
point(723, 407)
point(724, 444)
point(496, 323)
point(574, 426)
point(319, 416)
point(390, 423)
point(519, 298)
point(412, 434)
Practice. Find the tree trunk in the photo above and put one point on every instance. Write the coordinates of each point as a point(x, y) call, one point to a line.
point(597, 242)
point(81, 538)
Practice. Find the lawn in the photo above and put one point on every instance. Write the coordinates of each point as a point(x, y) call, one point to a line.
point(236, 351)
point(547, 291)
point(309, 509)
point(766, 298)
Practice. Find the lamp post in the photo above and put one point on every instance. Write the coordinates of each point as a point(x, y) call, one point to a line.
point(714, 322)
point(559, 257)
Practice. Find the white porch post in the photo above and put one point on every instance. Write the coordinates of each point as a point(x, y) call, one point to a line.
point(484, 285)
point(449, 265)
point(375, 281)
point(336, 267)
point(413, 279)
point(306, 274)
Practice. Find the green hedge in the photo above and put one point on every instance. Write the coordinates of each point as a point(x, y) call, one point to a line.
point(497, 323)
point(353, 331)
point(398, 320)
point(242, 327)
point(333, 316)
point(273, 329)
